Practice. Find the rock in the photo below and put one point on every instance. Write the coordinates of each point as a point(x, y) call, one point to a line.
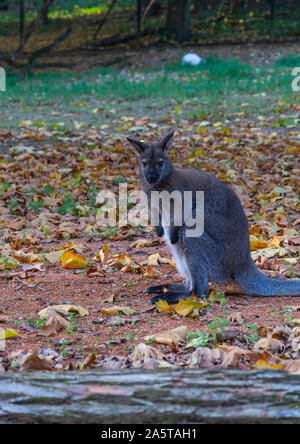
point(191, 59)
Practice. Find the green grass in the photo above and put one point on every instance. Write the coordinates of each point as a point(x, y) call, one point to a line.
point(100, 96)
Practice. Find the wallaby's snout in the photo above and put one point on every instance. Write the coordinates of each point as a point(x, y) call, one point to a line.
point(152, 177)
point(153, 166)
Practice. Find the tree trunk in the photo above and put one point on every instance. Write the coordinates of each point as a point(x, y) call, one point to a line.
point(22, 19)
point(272, 22)
point(45, 19)
point(139, 20)
point(178, 19)
point(156, 396)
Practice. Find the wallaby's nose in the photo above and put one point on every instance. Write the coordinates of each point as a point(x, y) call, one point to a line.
point(152, 178)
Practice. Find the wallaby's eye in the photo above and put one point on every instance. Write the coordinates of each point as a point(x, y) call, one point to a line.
point(144, 163)
point(161, 163)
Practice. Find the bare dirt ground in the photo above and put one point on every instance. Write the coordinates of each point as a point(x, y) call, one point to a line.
point(255, 54)
point(105, 335)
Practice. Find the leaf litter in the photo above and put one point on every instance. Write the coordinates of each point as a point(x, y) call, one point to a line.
point(69, 288)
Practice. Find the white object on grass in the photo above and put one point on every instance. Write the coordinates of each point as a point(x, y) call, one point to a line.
point(191, 59)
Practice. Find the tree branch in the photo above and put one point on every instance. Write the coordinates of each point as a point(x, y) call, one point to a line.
point(102, 22)
point(48, 48)
point(30, 28)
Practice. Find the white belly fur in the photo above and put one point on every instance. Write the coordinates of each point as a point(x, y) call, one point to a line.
point(179, 257)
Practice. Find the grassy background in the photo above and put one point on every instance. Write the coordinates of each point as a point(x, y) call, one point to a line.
point(217, 87)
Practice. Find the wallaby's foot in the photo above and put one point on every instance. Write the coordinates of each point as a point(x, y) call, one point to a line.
point(204, 294)
point(159, 288)
point(172, 297)
point(159, 231)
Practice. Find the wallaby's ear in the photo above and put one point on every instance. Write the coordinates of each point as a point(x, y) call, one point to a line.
point(138, 145)
point(166, 142)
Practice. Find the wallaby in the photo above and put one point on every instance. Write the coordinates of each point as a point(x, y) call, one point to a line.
point(222, 252)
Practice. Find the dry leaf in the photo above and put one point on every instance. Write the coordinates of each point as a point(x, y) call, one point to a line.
point(206, 358)
point(62, 310)
point(190, 307)
point(269, 345)
point(54, 325)
point(143, 351)
point(35, 363)
point(7, 334)
point(170, 337)
point(236, 317)
point(112, 311)
point(89, 361)
point(71, 260)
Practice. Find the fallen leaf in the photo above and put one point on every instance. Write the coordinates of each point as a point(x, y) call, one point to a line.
point(112, 311)
point(204, 357)
point(170, 337)
point(71, 260)
point(143, 351)
point(7, 334)
point(269, 345)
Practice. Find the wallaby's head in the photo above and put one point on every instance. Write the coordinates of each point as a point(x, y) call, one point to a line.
point(155, 164)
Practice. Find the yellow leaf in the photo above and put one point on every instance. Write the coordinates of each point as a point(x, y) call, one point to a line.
point(71, 260)
point(257, 243)
point(274, 243)
point(104, 253)
point(164, 306)
point(90, 360)
point(261, 364)
point(119, 261)
point(186, 306)
point(7, 334)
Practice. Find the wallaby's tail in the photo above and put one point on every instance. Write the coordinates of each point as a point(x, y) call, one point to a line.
point(255, 283)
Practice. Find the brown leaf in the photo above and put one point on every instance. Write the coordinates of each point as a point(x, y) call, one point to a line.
point(33, 363)
point(269, 345)
point(206, 358)
point(170, 337)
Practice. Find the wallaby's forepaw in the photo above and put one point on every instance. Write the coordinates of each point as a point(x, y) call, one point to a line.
point(159, 231)
point(174, 232)
point(171, 298)
point(173, 238)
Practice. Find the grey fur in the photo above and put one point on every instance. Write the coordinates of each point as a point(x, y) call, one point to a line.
point(223, 251)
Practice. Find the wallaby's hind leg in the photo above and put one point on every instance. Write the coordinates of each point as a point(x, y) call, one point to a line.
point(202, 293)
point(159, 288)
point(201, 289)
point(199, 276)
